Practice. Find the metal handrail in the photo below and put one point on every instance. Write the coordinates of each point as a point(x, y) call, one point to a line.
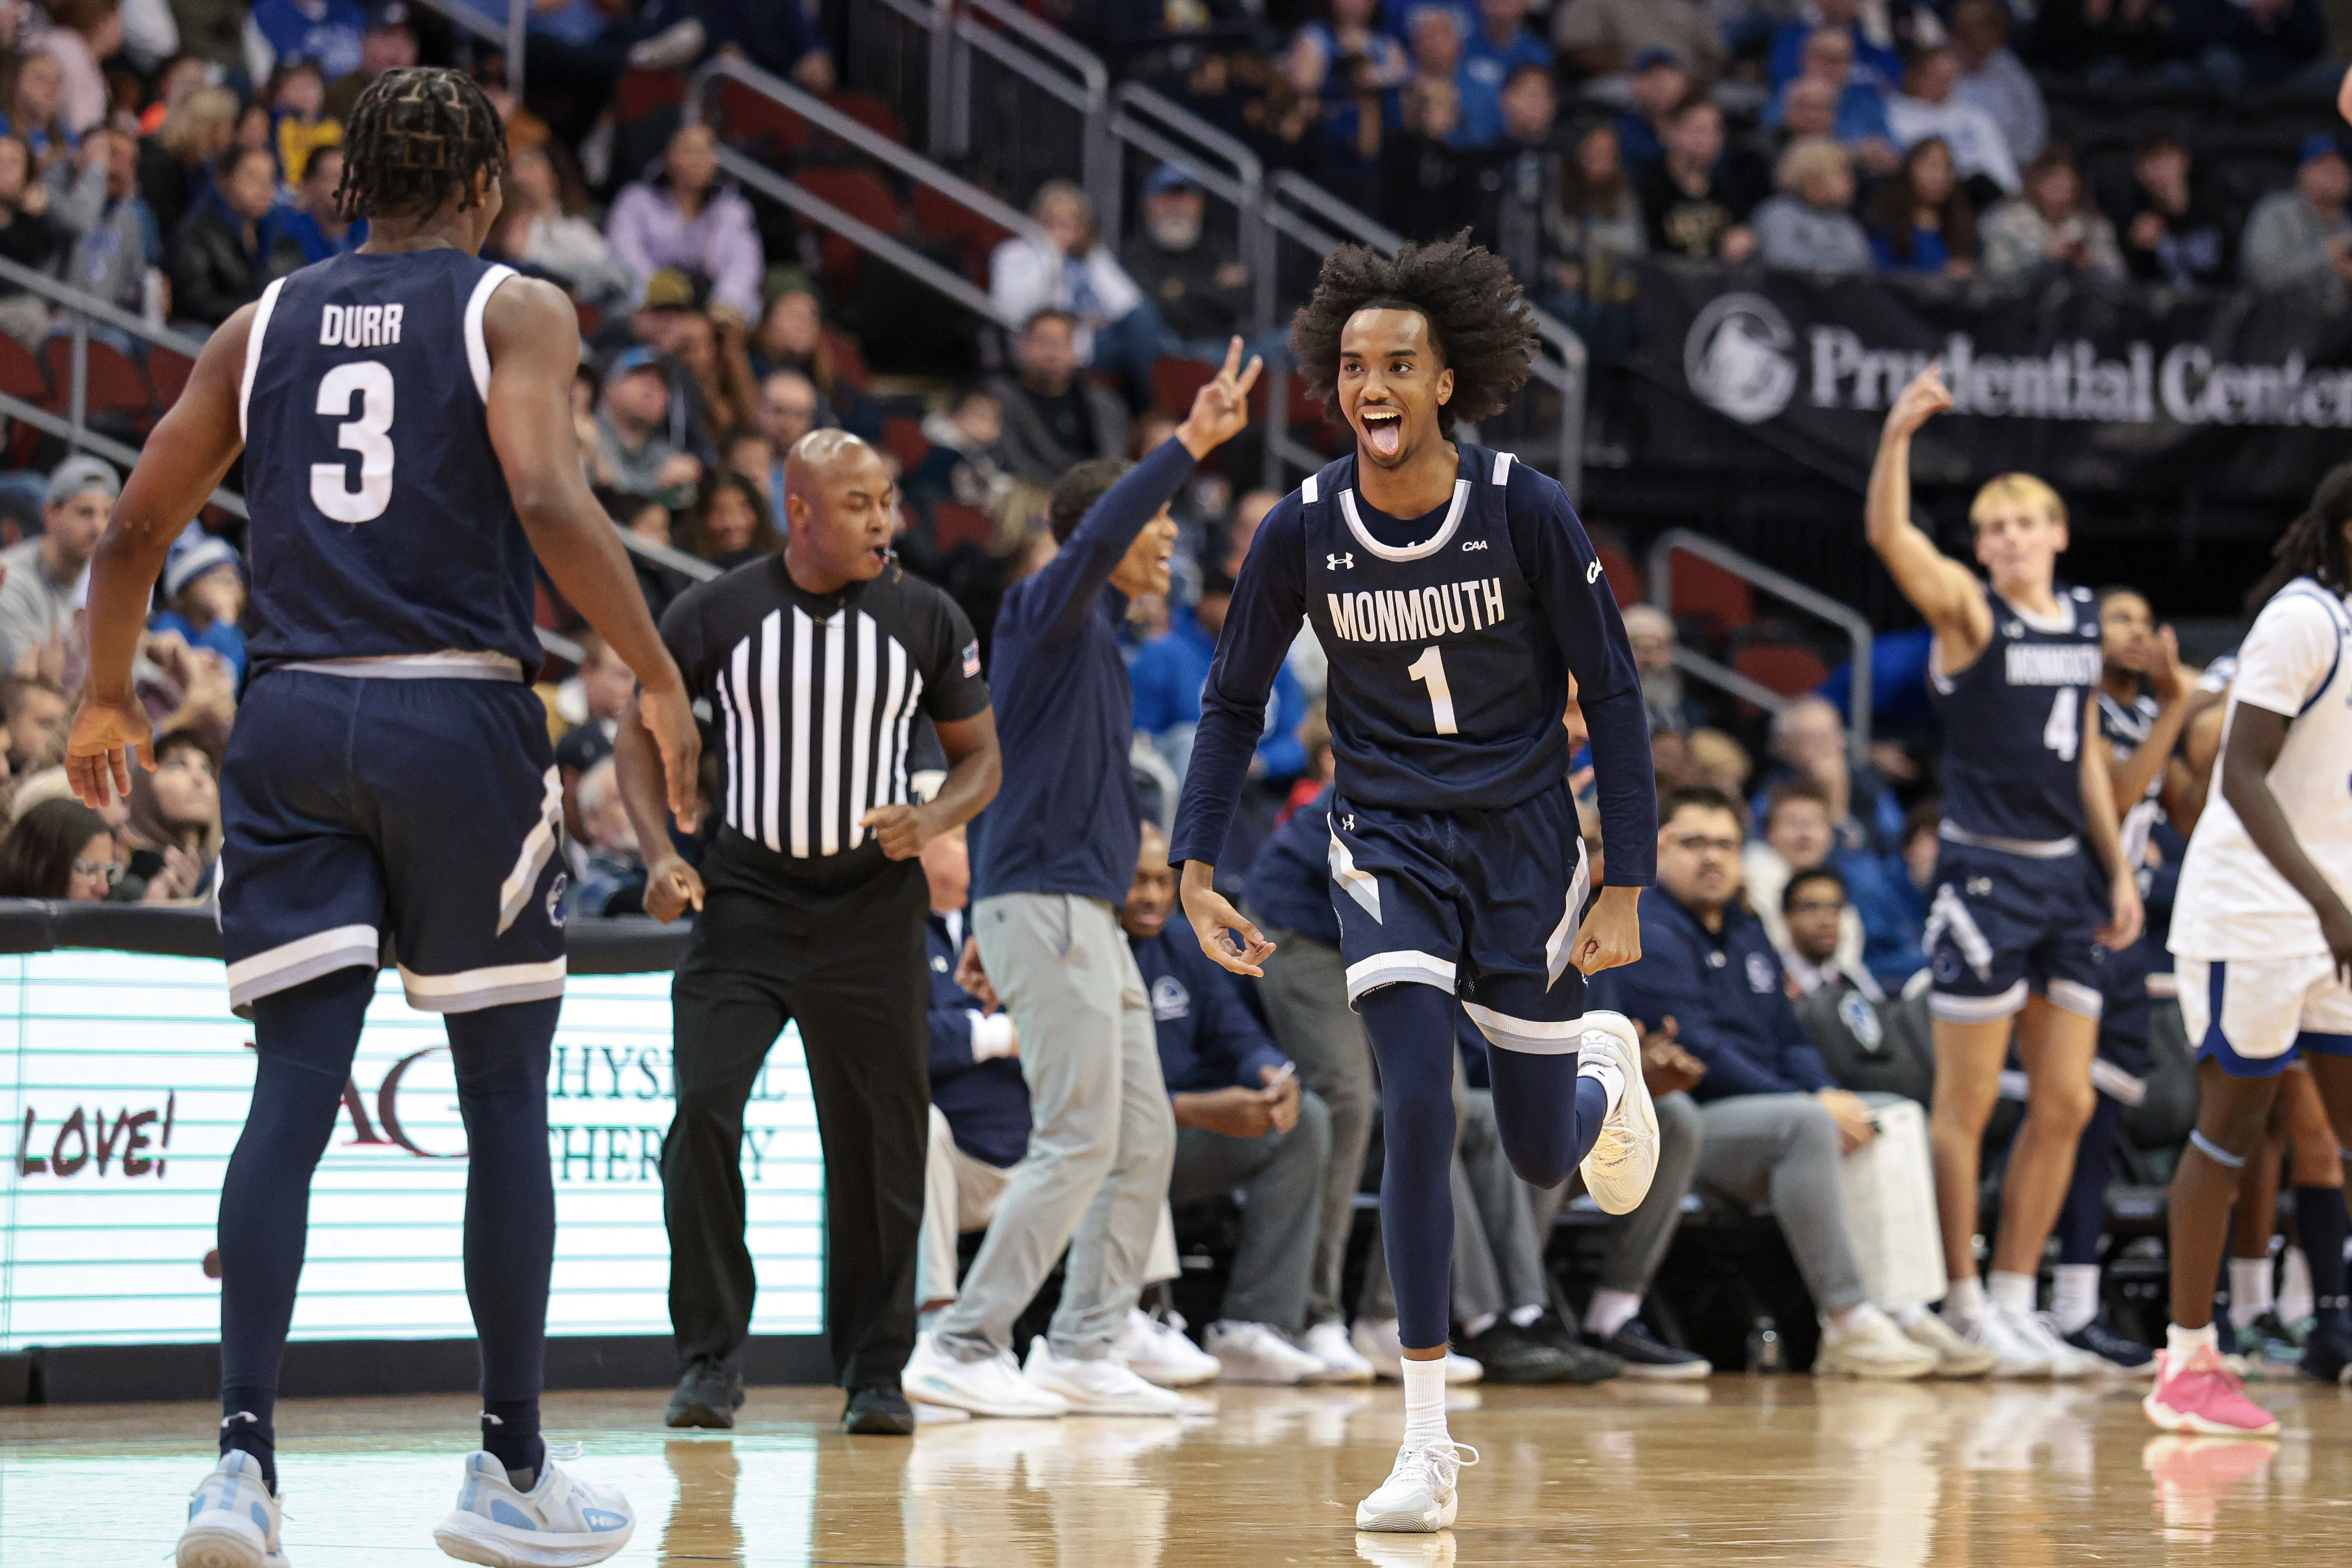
point(1780, 586)
point(871, 143)
point(106, 446)
point(1097, 163)
point(98, 308)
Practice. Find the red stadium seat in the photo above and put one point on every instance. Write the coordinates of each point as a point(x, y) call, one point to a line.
point(758, 124)
point(641, 93)
point(1173, 382)
point(904, 439)
point(1706, 593)
point(871, 112)
point(863, 196)
point(21, 374)
point(954, 524)
point(111, 384)
point(1624, 577)
point(168, 372)
point(1788, 669)
point(943, 217)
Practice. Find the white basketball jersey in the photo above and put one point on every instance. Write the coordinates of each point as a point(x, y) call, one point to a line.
point(2233, 901)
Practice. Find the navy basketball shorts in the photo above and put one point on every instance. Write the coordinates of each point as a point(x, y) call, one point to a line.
point(2001, 924)
point(1483, 904)
point(421, 816)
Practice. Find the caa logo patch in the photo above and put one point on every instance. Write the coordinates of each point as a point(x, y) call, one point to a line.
point(555, 892)
point(1169, 999)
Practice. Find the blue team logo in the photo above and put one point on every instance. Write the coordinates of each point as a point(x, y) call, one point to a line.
point(1169, 999)
point(555, 892)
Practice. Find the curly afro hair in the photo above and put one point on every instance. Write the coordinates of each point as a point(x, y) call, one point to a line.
point(1482, 329)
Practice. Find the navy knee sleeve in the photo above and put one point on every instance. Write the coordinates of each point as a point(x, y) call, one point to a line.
point(1547, 1115)
point(304, 1039)
point(2084, 1218)
point(500, 1055)
point(1411, 1030)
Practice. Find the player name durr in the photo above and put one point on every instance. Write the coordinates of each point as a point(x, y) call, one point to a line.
point(1415, 614)
point(358, 326)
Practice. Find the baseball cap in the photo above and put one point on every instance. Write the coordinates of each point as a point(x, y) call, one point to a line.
point(2319, 144)
point(83, 472)
point(389, 15)
point(1169, 177)
point(193, 554)
point(637, 359)
point(669, 290)
point(1654, 56)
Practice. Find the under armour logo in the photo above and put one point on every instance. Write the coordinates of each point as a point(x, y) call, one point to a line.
point(1333, 562)
point(1980, 887)
point(1349, 822)
point(1593, 573)
point(1474, 545)
point(2012, 630)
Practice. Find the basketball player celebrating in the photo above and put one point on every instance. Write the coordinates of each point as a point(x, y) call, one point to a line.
point(2018, 905)
point(404, 413)
point(1454, 591)
point(2262, 942)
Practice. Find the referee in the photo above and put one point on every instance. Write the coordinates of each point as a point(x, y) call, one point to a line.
point(816, 663)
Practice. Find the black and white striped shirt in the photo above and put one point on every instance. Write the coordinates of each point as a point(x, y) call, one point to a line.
point(814, 698)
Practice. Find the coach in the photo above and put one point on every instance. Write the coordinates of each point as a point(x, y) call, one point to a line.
point(816, 664)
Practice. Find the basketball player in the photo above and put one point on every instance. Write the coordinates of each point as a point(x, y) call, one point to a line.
point(1454, 591)
point(2019, 908)
point(2263, 943)
point(404, 413)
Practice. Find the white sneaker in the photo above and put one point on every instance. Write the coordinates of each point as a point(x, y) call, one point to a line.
point(1095, 1387)
point(1253, 1352)
point(1376, 1342)
point(1618, 1170)
point(561, 1522)
point(991, 1386)
point(2015, 1354)
point(232, 1519)
point(1418, 1497)
point(1955, 1357)
point(1327, 1342)
point(1874, 1349)
point(2066, 1364)
point(1159, 1352)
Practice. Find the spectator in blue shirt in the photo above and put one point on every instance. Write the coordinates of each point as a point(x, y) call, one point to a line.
point(329, 32)
point(1774, 1123)
point(203, 595)
point(1873, 61)
point(1241, 1123)
point(1168, 672)
point(312, 221)
point(979, 1106)
point(1499, 43)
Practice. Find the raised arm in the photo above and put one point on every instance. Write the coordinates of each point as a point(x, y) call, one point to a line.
point(533, 336)
point(2179, 699)
point(183, 459)
point(1944, 593)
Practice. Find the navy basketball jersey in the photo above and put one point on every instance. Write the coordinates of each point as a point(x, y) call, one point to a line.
point(2013, 724)
point(1446, 683)
point(2125, 727)
point(382, 522)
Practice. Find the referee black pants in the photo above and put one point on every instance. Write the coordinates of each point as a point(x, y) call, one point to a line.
point(848, 965)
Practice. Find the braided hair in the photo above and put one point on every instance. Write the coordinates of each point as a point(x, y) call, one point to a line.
point(1481, 327)
point(2313, 544)
point(418, 138)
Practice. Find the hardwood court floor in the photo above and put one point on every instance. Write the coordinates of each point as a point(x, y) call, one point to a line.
point(1738, 1470)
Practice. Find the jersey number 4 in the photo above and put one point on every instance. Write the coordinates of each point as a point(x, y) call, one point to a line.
point(2063, 732)
point(1431, 667)
point(368, 383)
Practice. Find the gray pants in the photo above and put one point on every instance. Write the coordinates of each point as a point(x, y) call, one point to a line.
point(1280, 1176)
point(1101, 1136)
point(1306, 996)
point(1638, 1241)
point(1783, 1149)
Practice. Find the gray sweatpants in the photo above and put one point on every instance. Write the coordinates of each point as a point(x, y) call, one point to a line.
point(1783, 1149)
point(1280, 1176)
point(1100, 1135)
point(1306, 996)
point(1638, 1241)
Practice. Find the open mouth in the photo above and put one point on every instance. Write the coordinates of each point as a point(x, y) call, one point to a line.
point(1383, 431)
point(880, 552)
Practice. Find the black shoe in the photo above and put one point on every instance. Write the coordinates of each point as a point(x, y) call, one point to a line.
point(2327, 1352)
point(2124, 1354)
point(1511, 1354)
point(1648, 1356)
point(707, 1395)
point(1591, 1363)
point(879, 1413)
point(2268, 1340)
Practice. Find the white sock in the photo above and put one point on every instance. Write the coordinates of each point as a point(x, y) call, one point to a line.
point(1610, 1311)
point(1608, 1075)
point(1859, 1316)
point(2294, 1296)
point(2012, 1292)
point(1424, 1402)
point(2181, 1343)
point(2074, 1295)
point(1916, 1312)
point(1472, 1327)
point(2250, 1290)
point(1965, 1303)
point(1521, 1317)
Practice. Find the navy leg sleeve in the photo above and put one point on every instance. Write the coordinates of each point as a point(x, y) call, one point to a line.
point(1548, 1116)
point(1412, 1028)
point(2320, 1223)
point(2085, 1216)
point(304, 1039)
point(500, 1055)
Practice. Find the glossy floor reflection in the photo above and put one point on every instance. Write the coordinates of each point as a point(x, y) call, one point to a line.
point(1740, 1470)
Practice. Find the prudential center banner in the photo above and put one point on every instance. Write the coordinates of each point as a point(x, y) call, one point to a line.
point(2093, 387)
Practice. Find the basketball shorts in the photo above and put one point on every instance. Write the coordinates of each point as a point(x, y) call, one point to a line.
point(1483, 904)
point(422, 817)
point(2256, 1015)
point(2001, 924)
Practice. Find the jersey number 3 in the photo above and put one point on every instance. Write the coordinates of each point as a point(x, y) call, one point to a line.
point(368, 383)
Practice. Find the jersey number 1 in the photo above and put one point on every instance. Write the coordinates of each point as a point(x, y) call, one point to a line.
point(1431, 667)
point(369, 381)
